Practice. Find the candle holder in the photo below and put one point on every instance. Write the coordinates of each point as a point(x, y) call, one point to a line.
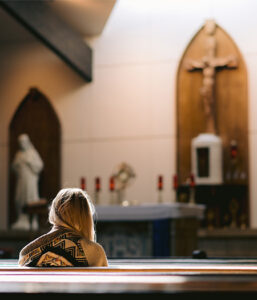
point(97, 190)
point(233, 208)
point(83, 183)
point(160, 188)
point(210, 219)
point(243, 221)
point(112, 190)
point(192, 190)
point(175, 186)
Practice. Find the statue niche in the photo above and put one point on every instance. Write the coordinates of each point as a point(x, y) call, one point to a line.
point(36, 117)
point(27, 166)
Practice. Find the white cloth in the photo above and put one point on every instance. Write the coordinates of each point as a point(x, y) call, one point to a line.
point(148, 212)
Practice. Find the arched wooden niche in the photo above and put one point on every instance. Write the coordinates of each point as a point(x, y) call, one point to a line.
point(230, 91)
point(226, 203)
point(36, 117)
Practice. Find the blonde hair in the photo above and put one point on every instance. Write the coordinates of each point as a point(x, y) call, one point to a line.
point(72, 208)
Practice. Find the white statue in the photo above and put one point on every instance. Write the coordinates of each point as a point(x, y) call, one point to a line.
point(27, 165)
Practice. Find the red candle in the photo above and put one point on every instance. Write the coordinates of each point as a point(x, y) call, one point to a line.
point(192, 181)
point(112, 184)
point(83, 183)
point(175, 182)
point(97, 184)
point(233, 149)
point(160, 183)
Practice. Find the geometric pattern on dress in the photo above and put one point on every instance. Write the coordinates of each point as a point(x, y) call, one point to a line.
point(64, 249)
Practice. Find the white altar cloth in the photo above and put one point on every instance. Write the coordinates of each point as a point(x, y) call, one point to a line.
point(148, 212)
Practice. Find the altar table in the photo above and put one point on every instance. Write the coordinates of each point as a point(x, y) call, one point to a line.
point(165, 277)
point(148, 230)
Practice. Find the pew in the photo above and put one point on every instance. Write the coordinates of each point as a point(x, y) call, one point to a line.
point(164, 277)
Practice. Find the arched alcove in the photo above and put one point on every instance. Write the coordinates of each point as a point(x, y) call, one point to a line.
point(36, 117)
point(231, 107)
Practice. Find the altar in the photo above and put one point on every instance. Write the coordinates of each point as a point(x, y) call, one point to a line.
point(148, 230)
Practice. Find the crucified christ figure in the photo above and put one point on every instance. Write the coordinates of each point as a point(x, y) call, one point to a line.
point(208, 64)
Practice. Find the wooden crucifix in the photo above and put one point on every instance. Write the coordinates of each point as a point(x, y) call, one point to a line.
point(208, 65)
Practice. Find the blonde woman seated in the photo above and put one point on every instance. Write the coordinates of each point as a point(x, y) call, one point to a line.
point(71, 241)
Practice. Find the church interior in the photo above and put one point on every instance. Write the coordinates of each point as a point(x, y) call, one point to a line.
point(148, 106)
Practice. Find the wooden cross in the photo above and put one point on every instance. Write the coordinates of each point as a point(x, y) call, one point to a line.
point(208, 64)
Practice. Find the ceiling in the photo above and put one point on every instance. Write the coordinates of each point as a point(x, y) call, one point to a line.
point(87, 17)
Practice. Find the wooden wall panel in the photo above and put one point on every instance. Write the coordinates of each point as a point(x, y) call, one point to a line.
point(231, 106)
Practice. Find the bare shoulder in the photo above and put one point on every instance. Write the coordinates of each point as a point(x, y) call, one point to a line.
point(95, 253)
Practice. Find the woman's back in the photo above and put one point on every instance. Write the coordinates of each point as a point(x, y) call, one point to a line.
point(62, 247)
point(71, 242)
